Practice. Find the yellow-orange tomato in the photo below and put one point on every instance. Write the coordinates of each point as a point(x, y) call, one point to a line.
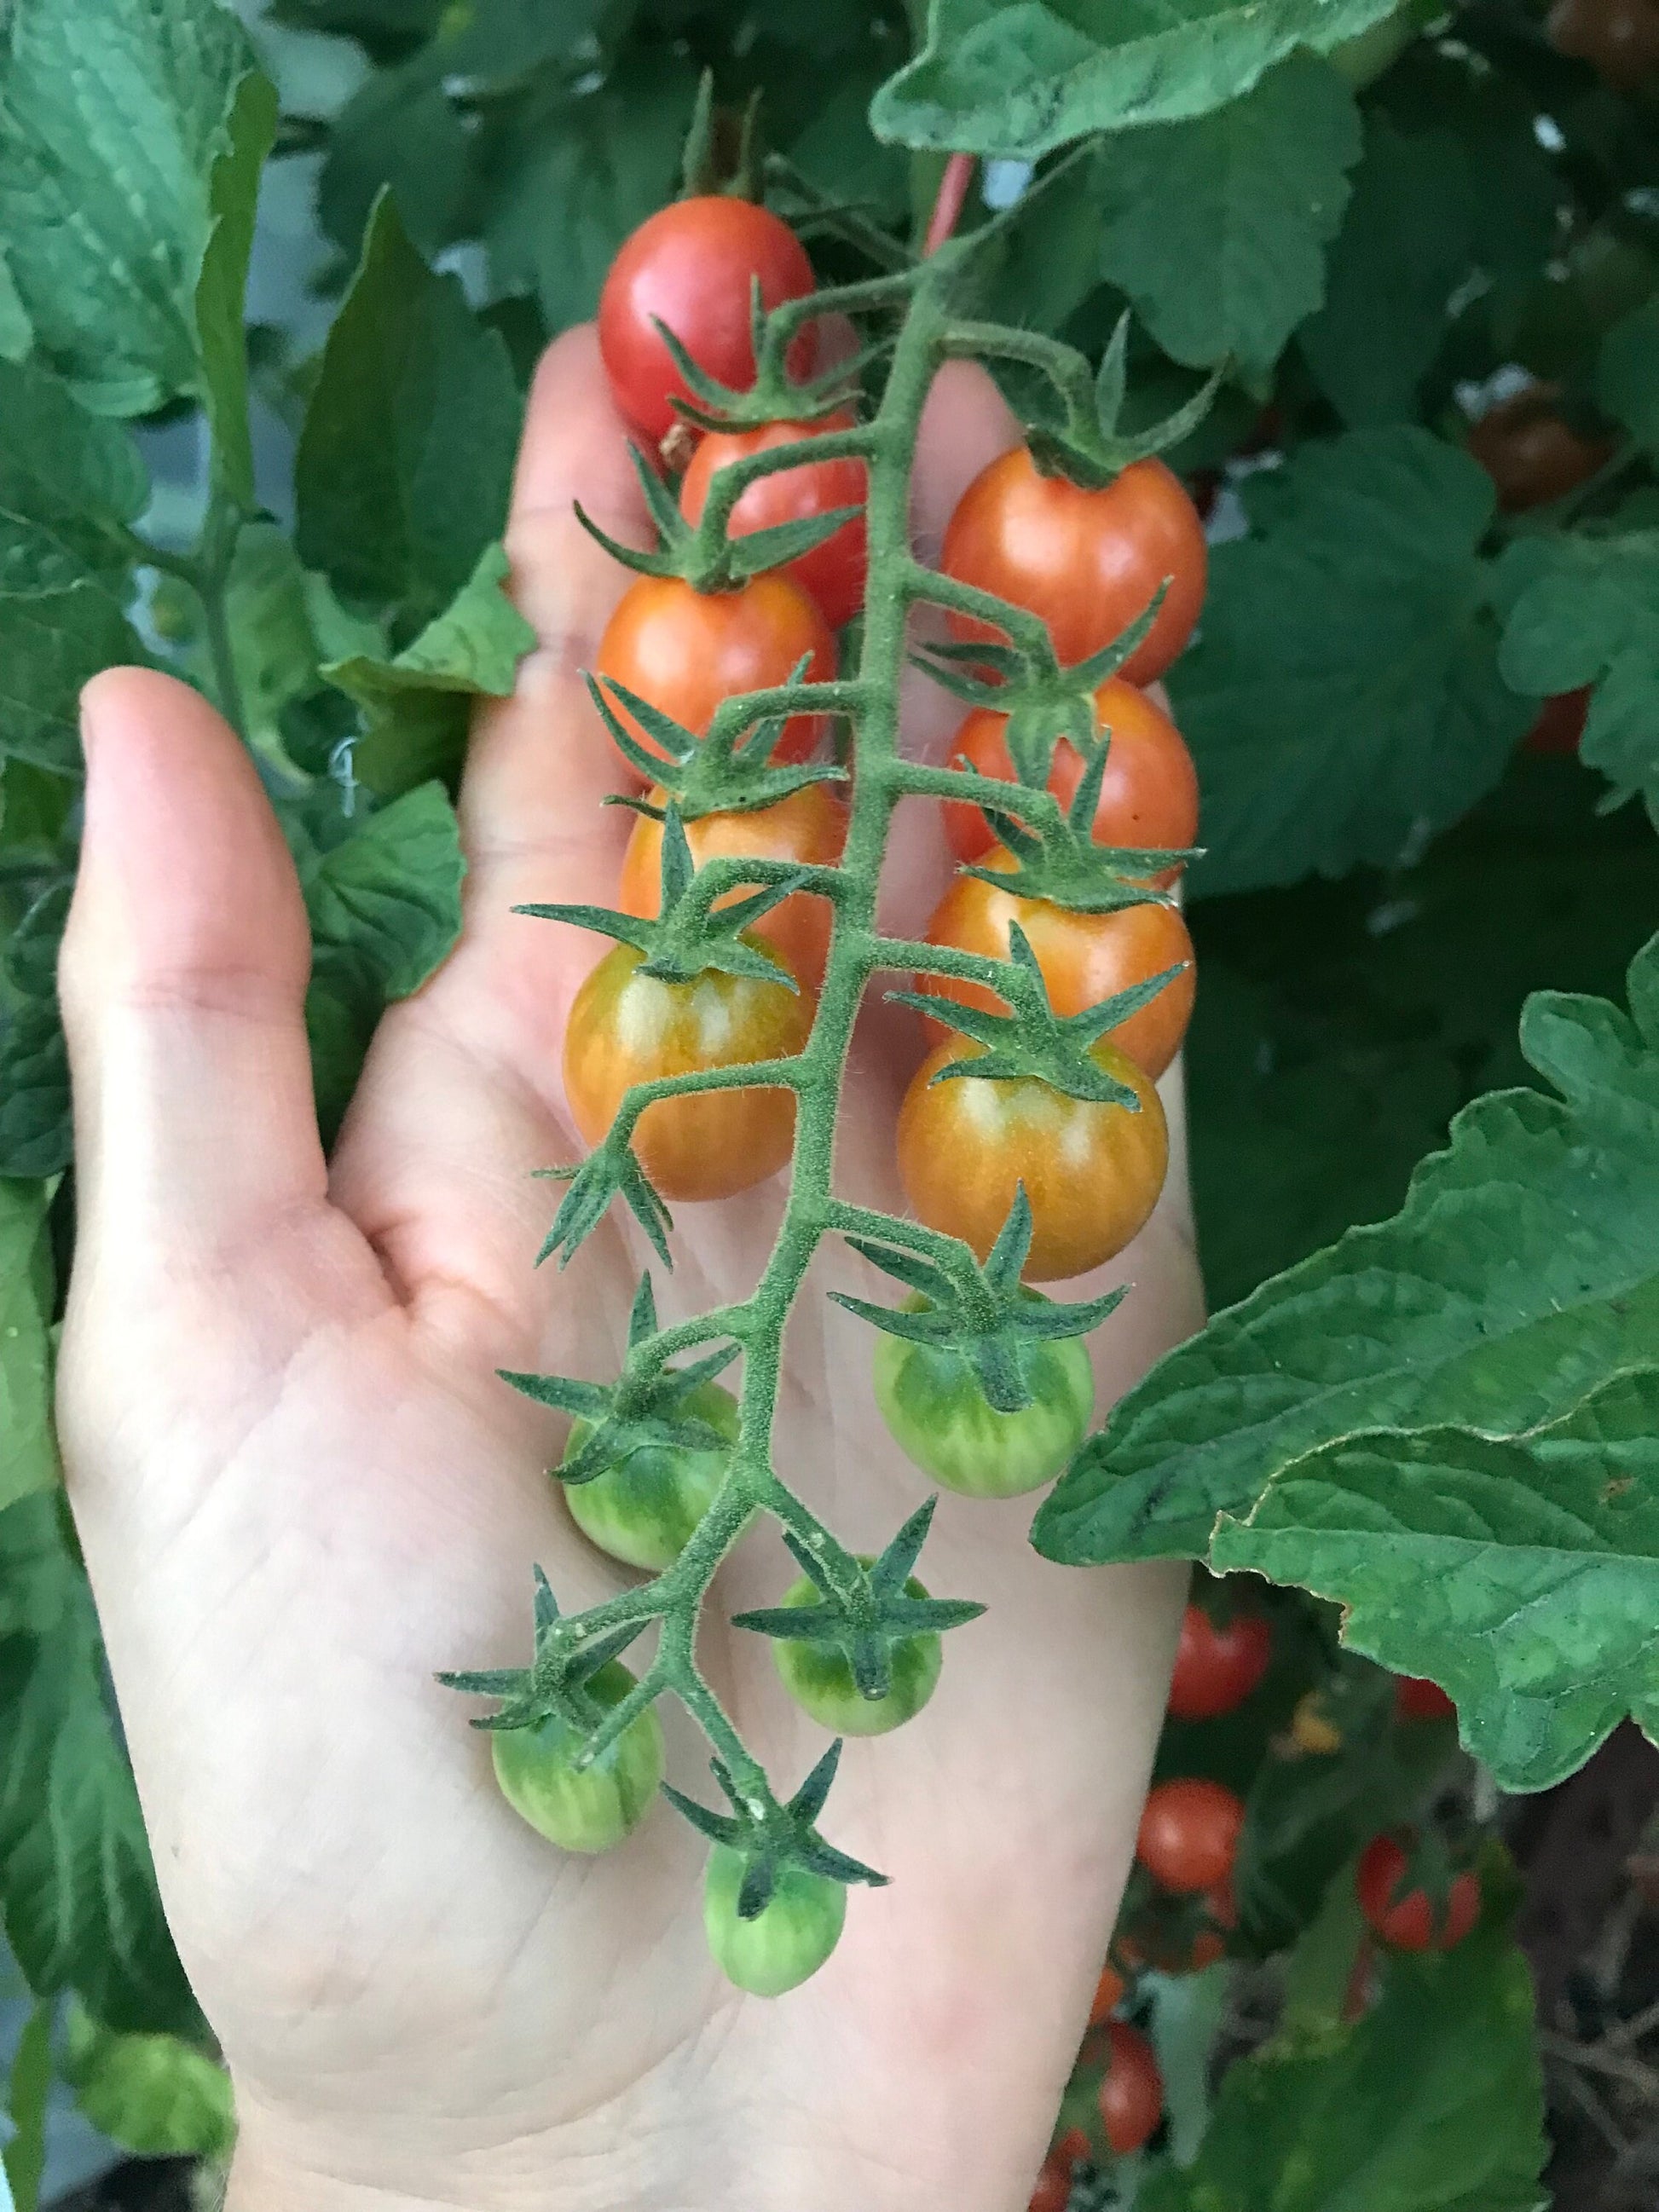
point(1088, 562)
point(1084, 958)
point(687, 651)
point(1109, 1993)
point(626, 1028)
point(833, 572)
point(809, 825)
point(1148, 795)
point(1093, 1172)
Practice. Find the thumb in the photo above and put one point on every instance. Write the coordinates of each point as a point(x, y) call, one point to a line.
point(183, 979)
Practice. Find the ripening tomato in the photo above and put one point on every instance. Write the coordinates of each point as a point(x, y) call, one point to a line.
point(1148, 795)
point(686, 651)
point(819, 1676)
point(1084, 958)
point(809, 825)
point(692, 266)
point(1189, 1834)
point(1530, 453)
point(1619, 38)
point(1560, 723)
point(1218, 1664)
point(626, 1028)
point(788, 1940)
point(1417, 1698)
point(1132, 2091)
point(1405, 1916)
point(833, 572)
point(1092, 1172)
point(1088, 562)
point(1053, 2192)
point(644, 1507)
point(1109, 1993)
point(594, 1808)
point(932, 1402)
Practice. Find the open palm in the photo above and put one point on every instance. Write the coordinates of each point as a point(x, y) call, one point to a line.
point(303, 1491)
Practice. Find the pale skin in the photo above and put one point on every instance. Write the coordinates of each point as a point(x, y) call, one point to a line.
point(303, 1491)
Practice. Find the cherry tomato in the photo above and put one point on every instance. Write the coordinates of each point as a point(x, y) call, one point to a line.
point(1109, 1993)
point(1216, 1665)
point(1560, 723)
point(1530, 453)
point(626, 1028)
point(1189, 1834)
point(1053, 2192)
point(1092, 1172)
point(686, 651)
point(1172, 1952)
point(932, 1402)
point(1088, 562)
point(1405, 1917)
point(1417, 1698)
point(1084, 958)
point(1132, 2092)
point(809, 825)
point(834, 572)
point(644, 1507)
point(1618, 38)
point(819, 1677)
point(1148, 796)
point(787, 1942)
point(593, 1809)
point(691, 265)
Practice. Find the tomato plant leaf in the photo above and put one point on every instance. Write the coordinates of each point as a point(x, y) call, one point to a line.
point(1433, 2102)
point(28, 1446)
point(36, 1135)
point(27, 2096)
point(69, 484)
point(1343, 697)
point(1586, 610)
point(51, 642)
point(1216, 228)
point(407, 451)
point(1625, 382)
point(1022, 80)
point(221, 286)
point(112, 114)
point(156, 2095)
point(1522, 1273)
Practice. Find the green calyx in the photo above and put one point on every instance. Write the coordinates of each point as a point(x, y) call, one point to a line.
point(557, 1685)
point(1034, 1041)
point(1063, 864)
point(722, 154)
point(657, 1409)
point(691, 934)
point(867, 1614)
point(992, 1323)
point(1090, 449)
point(775, 396)
point(731, 769)
point(772, 1838)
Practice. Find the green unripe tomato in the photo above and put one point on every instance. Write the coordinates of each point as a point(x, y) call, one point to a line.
point(594, 1810)
point(645, 1508)
point(940, 1417)
point(819, 1676)
point(787, 1942)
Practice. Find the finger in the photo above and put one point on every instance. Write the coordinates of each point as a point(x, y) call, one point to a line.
point(182, 981)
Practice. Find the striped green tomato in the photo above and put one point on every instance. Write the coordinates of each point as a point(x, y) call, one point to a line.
point(645, 1508)
point(819, 1677)
point(931, 1401)
point(593, 1809)
point(787, 1942)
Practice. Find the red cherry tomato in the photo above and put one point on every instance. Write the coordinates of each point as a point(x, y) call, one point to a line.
point(1109, 1994)
point(1053, 2192)
point(1531, 454)
point(1404, 1917)
point(686, 651)
point(1417, 1698)
point(1148, 795)
point(1088, 562)
point(1189, 1834)
point(691, 266)
point(1083, 957)
point(1560, 723)
point(1619, 38)
point(1132, 2093)
point(834, 572)
point(1217, 1667)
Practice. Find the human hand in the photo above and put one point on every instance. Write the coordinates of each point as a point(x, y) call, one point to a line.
point(303, 1491)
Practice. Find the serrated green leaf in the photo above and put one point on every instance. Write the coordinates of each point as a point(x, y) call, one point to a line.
point(28, 1443)
point(1431, 2103)
point(1586, 610)
point(1022, 79)
point(406, 457)
point(221, 286)
point(37, 1137)
point(50, 644)
point(1343, 697)
point(268, 607)
point(416, 705)
point(1216, 228)
point(1521, 1274)
point(156, 2095)
point(1627, 374)
point(112, 114)
point(70, 483)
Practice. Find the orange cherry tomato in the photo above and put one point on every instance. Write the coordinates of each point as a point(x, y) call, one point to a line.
point(1132, 2092)
point(1087, 563)
point(1109, 1994)
point(1053, 2192)
point(687, 651)
point(1148, 795)
point(1189, 1834)
point(809, 825)
point(626, 1028)
point(1084, 958)
point(834, 572)
point(1218, 1664)
point(1092, 1172)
